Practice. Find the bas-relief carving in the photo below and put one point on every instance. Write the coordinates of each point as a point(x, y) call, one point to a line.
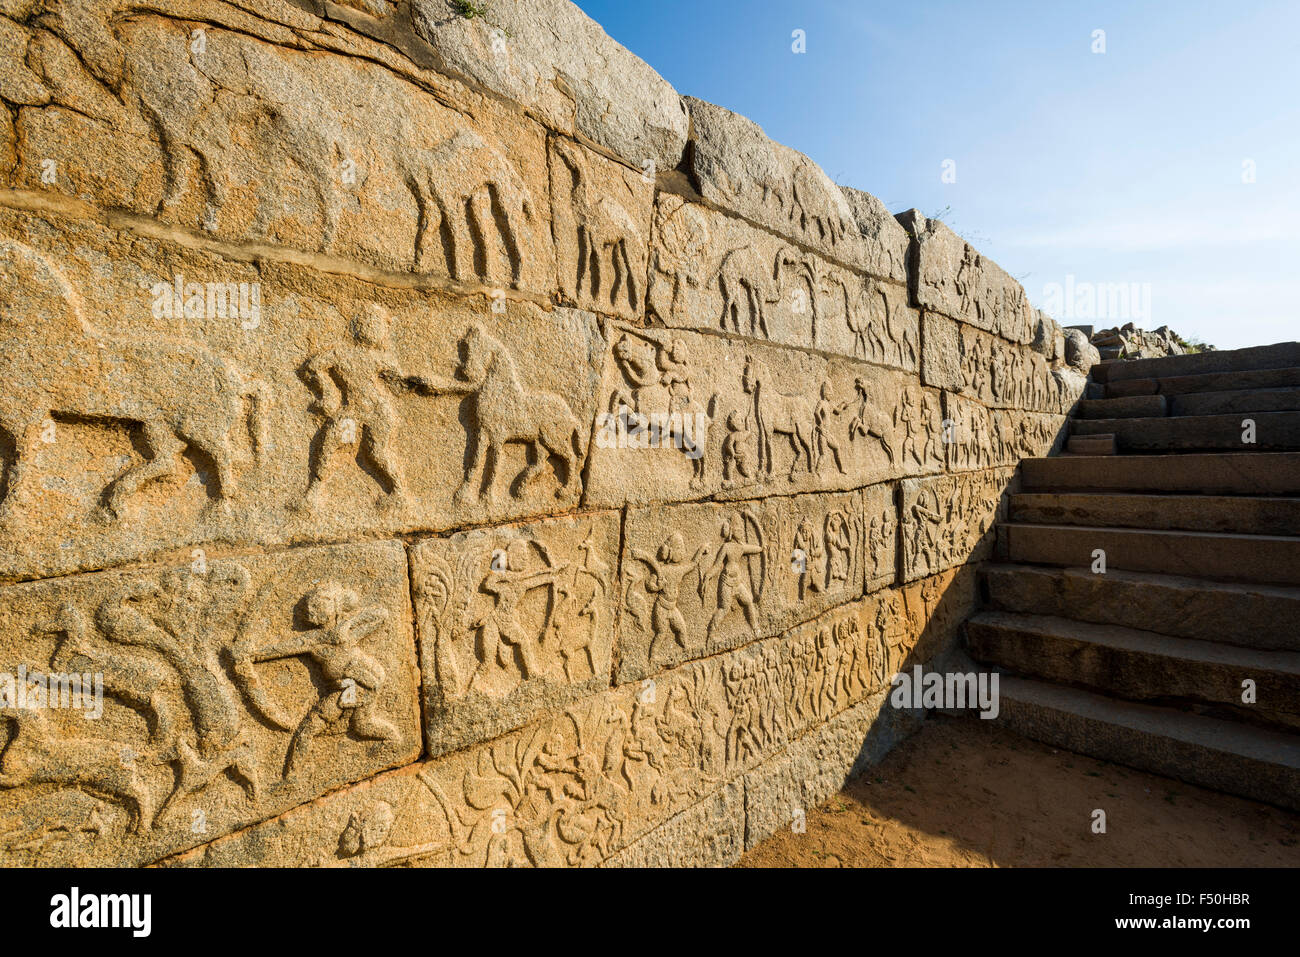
point(955, 280)
point(232, 689)
point(948, 520)
point(576, 787)
point(602, 222)
point(701, 578)
point(127, 434)
point(712, 271)
point(513, 622)
point(880, 536)
point(981, 437)
point(1005, 376)
point(254, 141)
point(688, 415)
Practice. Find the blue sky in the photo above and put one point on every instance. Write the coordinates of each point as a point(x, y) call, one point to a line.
point(1119, 167)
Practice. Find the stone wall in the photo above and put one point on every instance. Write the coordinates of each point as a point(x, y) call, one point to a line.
point(450, 445)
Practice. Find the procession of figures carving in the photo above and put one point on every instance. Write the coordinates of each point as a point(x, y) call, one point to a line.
point(576, 786)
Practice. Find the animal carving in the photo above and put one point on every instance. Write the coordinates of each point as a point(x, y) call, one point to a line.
point(54, 364)
point(610, 253)
point(502, 411)
point(777, 414)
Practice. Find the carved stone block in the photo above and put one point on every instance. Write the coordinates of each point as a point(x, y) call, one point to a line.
point(955, 280)
point(602, 225)
point(577, 786)
point(150, 710)
point(710, 834)
point(266, 405)
point(941, 352)
point(949, 520)
point(738, 168)
point(880, 536)
point(512, 622)
point(584, 83)
point(980, 437)
point(783, 790)
point(700, 578)
point(711, 271)
point(686, 415)
point(258, 140)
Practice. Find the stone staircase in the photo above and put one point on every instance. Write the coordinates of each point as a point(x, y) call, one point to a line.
point(1144, 663)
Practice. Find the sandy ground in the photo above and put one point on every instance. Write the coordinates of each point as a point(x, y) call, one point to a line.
point(964, 793)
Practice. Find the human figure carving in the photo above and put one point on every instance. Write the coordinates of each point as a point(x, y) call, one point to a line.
point(353, 384)
point(354, 679)
point(502, 635)
point(668, 568)
point(730, 567)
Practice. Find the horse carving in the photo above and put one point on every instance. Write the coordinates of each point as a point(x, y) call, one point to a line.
point(502, 411)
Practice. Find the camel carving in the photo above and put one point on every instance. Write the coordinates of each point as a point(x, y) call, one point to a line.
point(54, 364)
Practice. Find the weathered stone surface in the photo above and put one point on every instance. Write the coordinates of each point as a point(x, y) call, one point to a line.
point(302, 406)
point(1079, 352)
point(701, 578)
point(579, 785)
point(739, 420)
point(737, 167)
point(941, 352)
point(710, 834)
point(711, 271)
point(1259, 616)
point(880, 525)
point(232, 689)
point(949, 520)
point(1008, 377)
point(389, 330)
point(783, 790)
point(980, 437)
point(955, 280)
point(513, 622)
point(602, 221)
point(886, 241)
point(252, 140)
point(555, 60)
point(1138, 665)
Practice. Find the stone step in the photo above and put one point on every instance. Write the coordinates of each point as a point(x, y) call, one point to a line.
point(1135, 406)
point(1266, 617)
point(1247, 515)
point(1090, 445)
point(1273, 431)
point(1138, 665)
point(1209, 382)
point(1273, 559)
point(1281, 355)
point(1264, 473)
point(1225, 755)
point(1222, 403)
